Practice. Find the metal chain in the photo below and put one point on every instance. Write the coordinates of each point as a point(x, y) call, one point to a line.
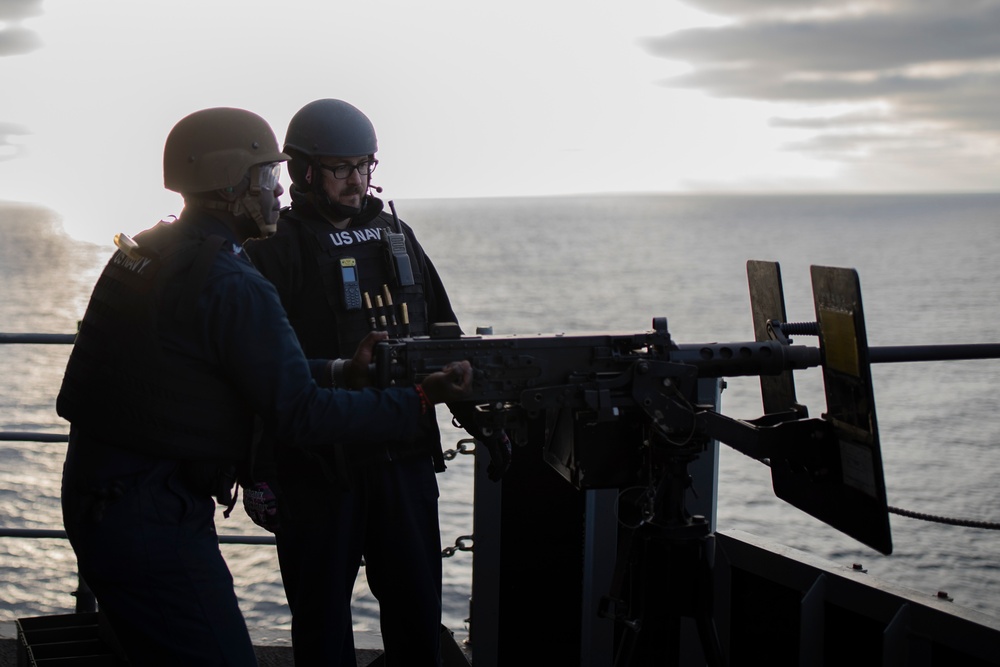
point(968, 523)
point(462, 448)
point(462, 543)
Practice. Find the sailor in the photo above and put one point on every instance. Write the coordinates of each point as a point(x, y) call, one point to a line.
point(182, 343)
point(344, 266)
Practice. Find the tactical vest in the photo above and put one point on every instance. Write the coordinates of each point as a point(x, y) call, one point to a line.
point(118, 386)
point(367, 275)
point(376, 261)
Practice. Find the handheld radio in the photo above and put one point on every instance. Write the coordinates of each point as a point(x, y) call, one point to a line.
point(352, 287)
point(397, 248)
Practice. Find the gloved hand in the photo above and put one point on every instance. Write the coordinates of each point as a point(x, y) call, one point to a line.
point(261, 505)
point(496, 441)
point(499, 447)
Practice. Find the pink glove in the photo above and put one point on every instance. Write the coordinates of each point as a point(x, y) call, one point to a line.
point(261, 505)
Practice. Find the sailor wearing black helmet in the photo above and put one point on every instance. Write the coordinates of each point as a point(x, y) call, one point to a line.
point(344, 266)
point(183, 342)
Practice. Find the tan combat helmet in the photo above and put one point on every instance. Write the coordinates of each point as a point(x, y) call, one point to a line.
point(221, 149)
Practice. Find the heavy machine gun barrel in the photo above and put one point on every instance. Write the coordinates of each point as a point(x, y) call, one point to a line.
point(955, 352)
point(782, 331)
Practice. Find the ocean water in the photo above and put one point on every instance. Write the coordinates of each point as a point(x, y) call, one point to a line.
point(929, 275)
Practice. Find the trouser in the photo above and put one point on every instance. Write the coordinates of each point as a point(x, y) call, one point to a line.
point(146, 545)
point(389, 517)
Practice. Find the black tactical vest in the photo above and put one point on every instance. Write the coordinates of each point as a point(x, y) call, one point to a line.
point(335, 330)
point(364, 283)
point(118, 386)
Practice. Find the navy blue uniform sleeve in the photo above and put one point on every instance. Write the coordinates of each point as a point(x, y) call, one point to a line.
point(258, 349)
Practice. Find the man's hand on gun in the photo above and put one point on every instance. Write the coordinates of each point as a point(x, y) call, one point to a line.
point(496, 441)
point(451, 383)
point(354, 373)
point(498, 445)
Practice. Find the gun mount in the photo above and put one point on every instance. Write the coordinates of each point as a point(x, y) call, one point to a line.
point(622, 409)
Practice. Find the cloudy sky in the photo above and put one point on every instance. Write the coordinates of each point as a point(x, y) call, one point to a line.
point(523, 97)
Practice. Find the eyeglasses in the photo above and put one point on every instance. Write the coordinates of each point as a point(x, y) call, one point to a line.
point(342, 171)
point(269, 175)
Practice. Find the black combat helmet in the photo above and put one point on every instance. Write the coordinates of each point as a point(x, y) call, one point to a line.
point(330, 127)
point(327, 128)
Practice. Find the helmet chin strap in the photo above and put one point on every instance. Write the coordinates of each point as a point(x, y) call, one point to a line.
point(250, 204)
point(247, 204)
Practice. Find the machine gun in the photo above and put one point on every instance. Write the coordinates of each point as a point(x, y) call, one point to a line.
point(630, 412)
point(618, 408)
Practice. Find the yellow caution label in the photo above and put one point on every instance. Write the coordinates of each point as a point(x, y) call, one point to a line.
point(840, 342)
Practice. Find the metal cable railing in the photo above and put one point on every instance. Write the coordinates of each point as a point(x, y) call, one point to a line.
point(28, 436)
point(85, 600)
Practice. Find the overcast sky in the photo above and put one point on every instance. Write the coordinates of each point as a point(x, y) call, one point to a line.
point(521, 97)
